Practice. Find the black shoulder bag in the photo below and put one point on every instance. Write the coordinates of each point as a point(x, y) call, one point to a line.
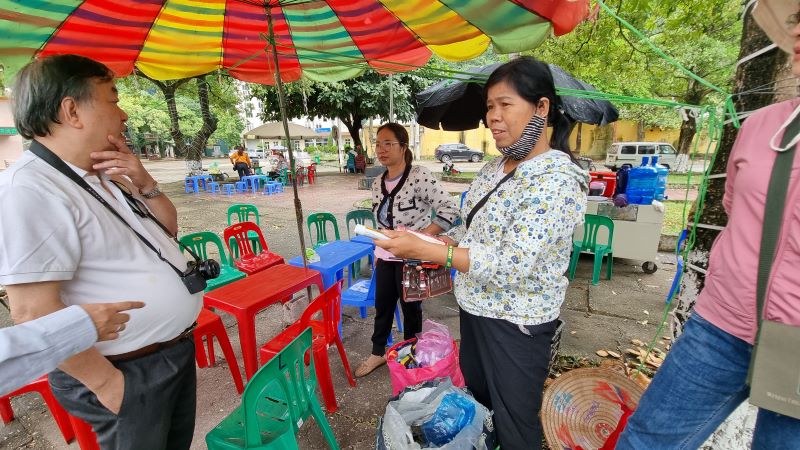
point(197, 271)
point(774, 374)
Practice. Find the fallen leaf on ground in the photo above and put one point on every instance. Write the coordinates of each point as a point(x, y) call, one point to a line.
point(646, 312)
point(573, 333)
point(602, 353)
point(644, 322)
point(637, 342)
point(613, 292)
point(614, 354)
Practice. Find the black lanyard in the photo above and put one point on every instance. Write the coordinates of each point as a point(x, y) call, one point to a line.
point(50, 158)
point(482, 201)
point(389, 197)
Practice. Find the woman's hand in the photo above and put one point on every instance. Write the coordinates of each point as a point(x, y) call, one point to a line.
point(405, 245)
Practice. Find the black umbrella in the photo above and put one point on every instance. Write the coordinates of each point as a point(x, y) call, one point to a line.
point(458, 104)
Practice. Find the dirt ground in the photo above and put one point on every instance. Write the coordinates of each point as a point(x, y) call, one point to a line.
point(607, 316)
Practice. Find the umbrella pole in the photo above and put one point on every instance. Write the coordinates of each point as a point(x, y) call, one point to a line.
point(298, 207)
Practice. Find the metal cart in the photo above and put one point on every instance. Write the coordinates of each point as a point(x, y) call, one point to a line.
point(637, 231)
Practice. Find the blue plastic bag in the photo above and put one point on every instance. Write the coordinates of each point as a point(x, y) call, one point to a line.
point(453, 414)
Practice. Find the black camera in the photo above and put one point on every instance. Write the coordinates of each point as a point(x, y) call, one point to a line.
point(197, 273)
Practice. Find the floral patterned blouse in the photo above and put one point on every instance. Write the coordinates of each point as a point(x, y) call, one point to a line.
point(520, 240)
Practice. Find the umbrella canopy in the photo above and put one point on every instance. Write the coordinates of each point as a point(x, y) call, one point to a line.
point(324, 40)
point(459, 104)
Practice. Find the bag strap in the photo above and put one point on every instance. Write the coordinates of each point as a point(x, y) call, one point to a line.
point(773, 219)
point(57, 163)
point(482, 201)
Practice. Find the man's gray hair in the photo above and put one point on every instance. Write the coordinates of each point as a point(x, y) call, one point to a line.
point(43, 83)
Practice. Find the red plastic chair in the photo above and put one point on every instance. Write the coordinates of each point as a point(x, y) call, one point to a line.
point(59, 413)
point(209, 325)
point(84, 434)
point(326, 333)
point(249, 262)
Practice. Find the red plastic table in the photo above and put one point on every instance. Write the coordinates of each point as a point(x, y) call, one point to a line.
point(247, 297)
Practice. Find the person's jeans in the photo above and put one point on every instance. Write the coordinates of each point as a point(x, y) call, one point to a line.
point(701, 382)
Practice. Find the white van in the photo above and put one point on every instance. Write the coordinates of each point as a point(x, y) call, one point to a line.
point(632, 152)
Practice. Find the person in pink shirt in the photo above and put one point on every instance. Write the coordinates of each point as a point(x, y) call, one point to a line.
point(704, 378)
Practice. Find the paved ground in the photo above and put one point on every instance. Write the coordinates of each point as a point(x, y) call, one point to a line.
point(607, 316)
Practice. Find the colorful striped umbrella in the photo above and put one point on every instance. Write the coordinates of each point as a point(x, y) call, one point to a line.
point(326, 40)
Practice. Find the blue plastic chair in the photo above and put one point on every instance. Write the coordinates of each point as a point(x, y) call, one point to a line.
point(362, 295)
point(228, 189)
point(676, 281)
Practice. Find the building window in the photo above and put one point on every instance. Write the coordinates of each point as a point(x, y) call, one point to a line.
point(348, 142)
point(296, 145)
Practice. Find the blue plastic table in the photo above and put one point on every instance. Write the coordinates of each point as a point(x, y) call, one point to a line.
point(196, 179)
point(254, 181)
point(333, 258)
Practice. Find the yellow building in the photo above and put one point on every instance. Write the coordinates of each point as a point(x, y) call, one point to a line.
point(594, 140)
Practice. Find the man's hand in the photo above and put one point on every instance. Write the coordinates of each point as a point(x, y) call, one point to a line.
point(111, 393)
point(122, 161)
point(109, 318)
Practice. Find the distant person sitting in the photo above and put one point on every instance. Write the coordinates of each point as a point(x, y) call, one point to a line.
point(282, 164)
point(241, 162)
point(360, 162)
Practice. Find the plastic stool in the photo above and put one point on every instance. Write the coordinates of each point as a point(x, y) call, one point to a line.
point(228, 189)
point(212, 187)
point(84, 434)
point(209, 325)
point(278, 186)
point(241, 186)
point(188, 186)
point(59, 413)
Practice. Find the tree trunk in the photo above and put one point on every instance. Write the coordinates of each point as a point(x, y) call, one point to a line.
point(194, 151)
point(200, 139)
point(760, 71)
point(688, 130)
point(354, 127)
point(737, 430)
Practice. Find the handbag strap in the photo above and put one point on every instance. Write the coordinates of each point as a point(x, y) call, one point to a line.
point(773, 219)
point(485, 198)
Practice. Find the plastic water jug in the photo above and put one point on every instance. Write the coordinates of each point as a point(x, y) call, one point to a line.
point(622, 179)
point(661, 179)
point(642, 180)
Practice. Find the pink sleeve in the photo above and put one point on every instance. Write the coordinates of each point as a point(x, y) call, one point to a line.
point(732, 168)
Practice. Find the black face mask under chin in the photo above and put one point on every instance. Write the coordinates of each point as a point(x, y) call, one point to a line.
point(524, 145)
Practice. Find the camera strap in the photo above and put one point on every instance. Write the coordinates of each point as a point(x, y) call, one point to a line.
point(50, 158)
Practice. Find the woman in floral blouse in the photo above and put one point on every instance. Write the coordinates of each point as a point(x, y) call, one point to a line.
point(402, 198)
point(513, 249)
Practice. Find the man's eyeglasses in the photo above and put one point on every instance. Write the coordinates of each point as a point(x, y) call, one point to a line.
point(386, 144)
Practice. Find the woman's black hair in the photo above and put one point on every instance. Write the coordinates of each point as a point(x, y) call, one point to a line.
point(401, 134)
point(532, 80)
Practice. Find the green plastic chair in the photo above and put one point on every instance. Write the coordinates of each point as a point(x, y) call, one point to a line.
point(591, 226)
point(276, 402)
point(242, 212)
point(320, 222)
point(259, 171)
point(284, 177)
point(199, 243)
point(359, 217)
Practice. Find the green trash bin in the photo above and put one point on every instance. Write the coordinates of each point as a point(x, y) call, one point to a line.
point(316, 159)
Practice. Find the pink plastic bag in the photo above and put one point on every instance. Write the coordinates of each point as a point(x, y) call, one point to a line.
point(433, 344)
point(402, 377)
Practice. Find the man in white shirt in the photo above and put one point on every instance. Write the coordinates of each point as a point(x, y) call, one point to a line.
point(33, 348)
point(69, 235)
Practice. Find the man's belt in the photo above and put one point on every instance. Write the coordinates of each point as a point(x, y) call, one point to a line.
point(152, 348)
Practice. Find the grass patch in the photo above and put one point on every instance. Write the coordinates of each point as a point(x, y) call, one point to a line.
point(673, 217)
point(681, 178)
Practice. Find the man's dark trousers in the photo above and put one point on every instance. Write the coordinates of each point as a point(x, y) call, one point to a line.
point(158, 408)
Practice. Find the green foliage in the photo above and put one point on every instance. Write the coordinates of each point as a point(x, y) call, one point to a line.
point(702, 36)
point(351, 101)
point(147, 109)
